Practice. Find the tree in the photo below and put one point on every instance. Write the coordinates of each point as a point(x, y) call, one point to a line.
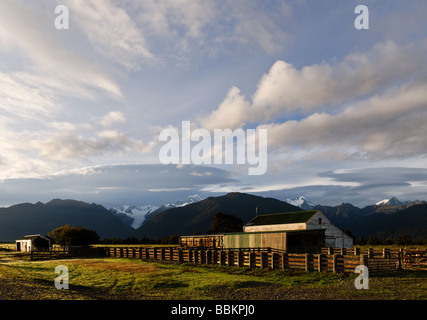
point(40, 242)
point(404, 240)
point(73, 236)
point(222, 222)
point(373, 241)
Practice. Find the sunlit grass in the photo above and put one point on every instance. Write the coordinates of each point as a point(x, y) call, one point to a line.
point(139, 279)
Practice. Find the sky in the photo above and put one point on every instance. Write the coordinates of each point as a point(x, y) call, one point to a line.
point(83, 107)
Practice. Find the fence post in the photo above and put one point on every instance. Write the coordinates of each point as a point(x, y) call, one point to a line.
point(364, 260)
point(263, 264)
point(252, 259)
point(273, 255)
point(319, 262)
point(285, 264)
point(334, 263)
point(386, 253)
point(400, 258)
point(356, 251)
point(229, 258)
point(306, 262)
point(162, 254)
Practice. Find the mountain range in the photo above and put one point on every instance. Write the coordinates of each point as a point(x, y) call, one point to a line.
point(197, 217)
point(135, 215)
point(389, 218)
point(26, 218)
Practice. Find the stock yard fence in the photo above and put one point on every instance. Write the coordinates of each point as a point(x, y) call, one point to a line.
point(329, 260)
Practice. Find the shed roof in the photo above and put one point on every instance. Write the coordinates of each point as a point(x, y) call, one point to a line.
point(282, 218)
point(32, 237)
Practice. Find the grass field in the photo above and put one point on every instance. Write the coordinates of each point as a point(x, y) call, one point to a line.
point(111, 279)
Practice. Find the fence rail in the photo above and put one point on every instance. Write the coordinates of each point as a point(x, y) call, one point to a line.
point(329, 260)
point(66, 252)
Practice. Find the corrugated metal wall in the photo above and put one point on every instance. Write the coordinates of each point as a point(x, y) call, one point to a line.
point(255, 240)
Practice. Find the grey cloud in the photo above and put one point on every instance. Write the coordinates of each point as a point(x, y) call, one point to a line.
point(390, 125)
point(379, 176)
point(115, 184)
point(324, 87)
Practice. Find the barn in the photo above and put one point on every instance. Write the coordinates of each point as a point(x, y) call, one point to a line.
point(305, 220)
point(31, 242)
point(293, 232)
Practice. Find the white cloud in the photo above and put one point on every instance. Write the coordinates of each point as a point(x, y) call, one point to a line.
point(112, 31)
point(285, 90)
point(186, 29)
point(113, 117)
point(67, 147)
point(230, 113)
point(24, 101)
point(386, 125)
point(47, 54)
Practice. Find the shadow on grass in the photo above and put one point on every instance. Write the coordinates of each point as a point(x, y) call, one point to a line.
point(251, 284)
point(400, 274)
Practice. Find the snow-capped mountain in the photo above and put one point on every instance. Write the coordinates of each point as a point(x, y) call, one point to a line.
point(382, 202)
point(390, 202)
point(135, 216)
point(182, 203)
point(301, 202)
point(394, 202)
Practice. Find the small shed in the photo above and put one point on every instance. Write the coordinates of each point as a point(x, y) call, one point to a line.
point(31, 242)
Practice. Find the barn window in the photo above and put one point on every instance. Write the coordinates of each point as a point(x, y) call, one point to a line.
point(320, 220)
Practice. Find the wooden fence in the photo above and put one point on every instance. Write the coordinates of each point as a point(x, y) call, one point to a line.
point(334, 260)
point(262, 258)
point(66, 252)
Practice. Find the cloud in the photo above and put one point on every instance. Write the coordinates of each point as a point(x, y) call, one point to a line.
point(113, 117)
point(189, 29)
point(112, 31)
point(367, 106)
point(48, 56)
point(233, 106)
point(387, 176)
point(65, 147)
point(113, 185)
point(285, 91)
point(24, 101)
point(386, 125)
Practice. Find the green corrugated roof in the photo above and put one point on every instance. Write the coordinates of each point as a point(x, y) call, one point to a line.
point(282, 218)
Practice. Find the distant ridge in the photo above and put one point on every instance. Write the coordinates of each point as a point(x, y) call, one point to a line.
point(380, 221)
point(197, 217)
point(26, 218)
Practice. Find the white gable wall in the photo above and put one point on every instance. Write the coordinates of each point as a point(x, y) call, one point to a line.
point(334, 237)
point(25, 245)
